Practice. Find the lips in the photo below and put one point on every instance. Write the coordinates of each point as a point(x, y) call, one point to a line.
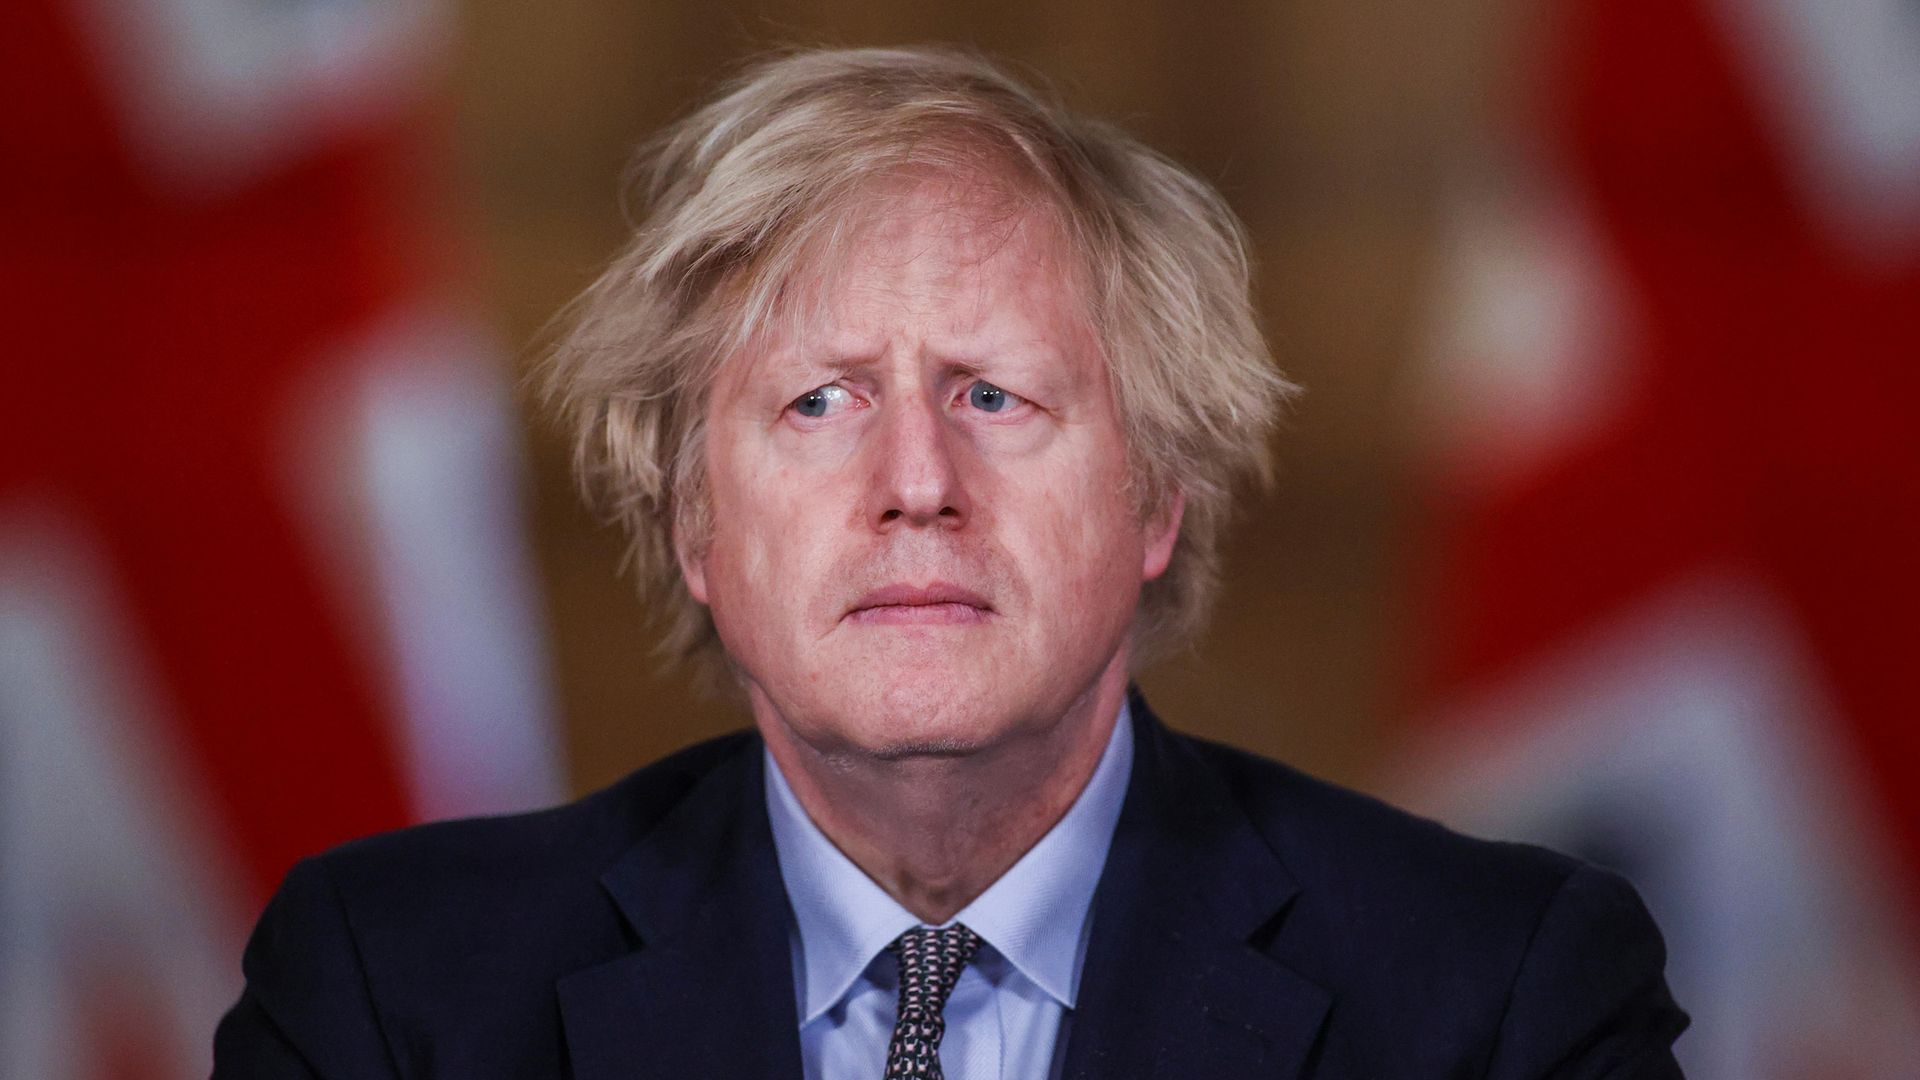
point(939, 602)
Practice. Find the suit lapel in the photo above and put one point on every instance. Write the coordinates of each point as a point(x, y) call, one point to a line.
point(709, 989)
point(1174, 983)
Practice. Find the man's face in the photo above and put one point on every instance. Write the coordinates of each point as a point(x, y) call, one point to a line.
point(922, 535)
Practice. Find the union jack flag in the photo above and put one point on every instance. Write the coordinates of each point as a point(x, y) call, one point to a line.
point(262, 582)
point(1672, 561)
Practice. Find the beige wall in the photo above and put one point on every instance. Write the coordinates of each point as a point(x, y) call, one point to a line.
point(1327, 123)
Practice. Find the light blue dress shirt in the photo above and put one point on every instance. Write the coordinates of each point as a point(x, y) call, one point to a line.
point(1008, 1016)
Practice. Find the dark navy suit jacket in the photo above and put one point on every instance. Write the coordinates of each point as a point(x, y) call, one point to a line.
point(1251, 922)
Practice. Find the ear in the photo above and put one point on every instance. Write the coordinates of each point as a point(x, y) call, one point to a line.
point(1162, 530)
point(693, 566)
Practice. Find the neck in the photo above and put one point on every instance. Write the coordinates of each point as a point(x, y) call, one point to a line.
point(936, 831)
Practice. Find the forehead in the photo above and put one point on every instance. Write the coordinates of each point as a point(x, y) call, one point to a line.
point(967, 256)
point(969, 218)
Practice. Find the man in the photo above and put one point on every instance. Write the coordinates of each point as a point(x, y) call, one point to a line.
point(923, 402)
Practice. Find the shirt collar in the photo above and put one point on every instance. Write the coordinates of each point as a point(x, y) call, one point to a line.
point(1035, 915)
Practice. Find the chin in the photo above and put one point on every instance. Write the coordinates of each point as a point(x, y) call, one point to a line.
point(943, 716)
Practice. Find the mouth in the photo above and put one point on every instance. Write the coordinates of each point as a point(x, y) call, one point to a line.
point(940, 603)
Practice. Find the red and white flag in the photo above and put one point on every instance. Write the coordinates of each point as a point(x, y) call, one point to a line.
point(1671, 573)
point(263, 586)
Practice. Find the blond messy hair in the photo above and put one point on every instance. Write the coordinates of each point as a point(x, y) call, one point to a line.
point(741, 193)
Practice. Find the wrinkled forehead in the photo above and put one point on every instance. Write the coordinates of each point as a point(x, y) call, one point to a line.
point(978, 225)
point(970, 221)
point(967, 229)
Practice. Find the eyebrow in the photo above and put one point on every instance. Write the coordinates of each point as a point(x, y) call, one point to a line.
point(1029, 351)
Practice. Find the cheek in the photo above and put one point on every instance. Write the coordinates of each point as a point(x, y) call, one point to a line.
point(755, 528)
point(1090, 544)
point(777, 535)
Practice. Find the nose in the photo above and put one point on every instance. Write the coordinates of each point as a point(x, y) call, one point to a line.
point(917, 480)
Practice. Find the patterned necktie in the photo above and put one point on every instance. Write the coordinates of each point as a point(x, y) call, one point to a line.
point(930, 963)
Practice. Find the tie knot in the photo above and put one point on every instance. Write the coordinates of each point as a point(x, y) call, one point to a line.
point(930, 964)
point(933, 957)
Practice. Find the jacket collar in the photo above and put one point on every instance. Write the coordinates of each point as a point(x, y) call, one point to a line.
point(709, 989)
point(1174, 985)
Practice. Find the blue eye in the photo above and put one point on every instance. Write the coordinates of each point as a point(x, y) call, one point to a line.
point(820, 401)
point(987, 397)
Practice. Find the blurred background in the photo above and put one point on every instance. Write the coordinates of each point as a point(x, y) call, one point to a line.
point(1599, 523)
